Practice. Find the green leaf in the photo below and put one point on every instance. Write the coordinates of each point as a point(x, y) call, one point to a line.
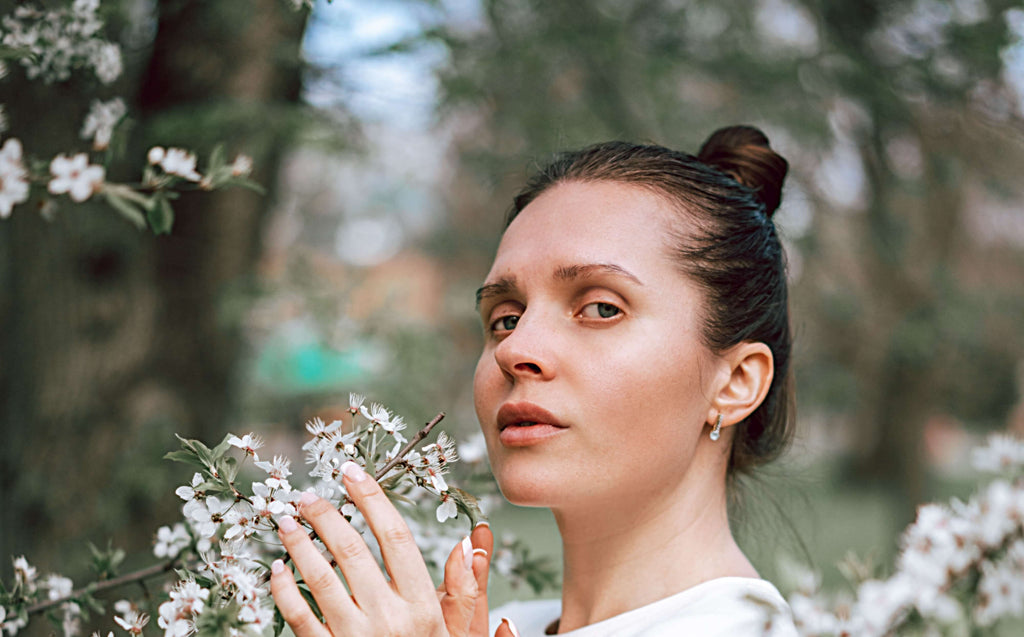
point(12, 53)
point(161, 215)
point(223, 447)
point(186, 457)
point(278, 622)
point(247, 183)
point(93, 603)
point(467, 504)
point(218, 159)
point(127, 209)
point(308, 595)
point(228, 468)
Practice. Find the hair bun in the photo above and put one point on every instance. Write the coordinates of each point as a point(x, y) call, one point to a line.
point(743, 153)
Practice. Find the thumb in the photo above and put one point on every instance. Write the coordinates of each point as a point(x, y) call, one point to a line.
point(483, 546)
point(459, 598)
point(506, 629)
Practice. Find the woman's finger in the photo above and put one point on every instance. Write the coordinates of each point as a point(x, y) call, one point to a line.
point(292, 604)
point(506, 629)
point(402, 558)
point(362, 573)
point(483, 548)
point(461, 593)
point(330, 594)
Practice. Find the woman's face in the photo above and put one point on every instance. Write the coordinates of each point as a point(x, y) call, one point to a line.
point(593, 380)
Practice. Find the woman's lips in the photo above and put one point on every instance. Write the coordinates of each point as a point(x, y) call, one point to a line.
point(523, 424)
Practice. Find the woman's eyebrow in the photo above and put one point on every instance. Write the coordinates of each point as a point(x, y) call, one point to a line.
point(574, 272)
point(504, 286)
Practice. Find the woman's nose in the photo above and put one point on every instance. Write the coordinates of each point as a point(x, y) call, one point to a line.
point(527, 351)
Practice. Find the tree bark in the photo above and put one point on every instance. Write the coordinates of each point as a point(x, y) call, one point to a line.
point(112, 339)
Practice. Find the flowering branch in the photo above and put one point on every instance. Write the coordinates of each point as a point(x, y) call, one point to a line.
point(221, 550)
point(156, 570)
point(149, 572)
point(420, 435)
point(960, 569)
point(51, 44)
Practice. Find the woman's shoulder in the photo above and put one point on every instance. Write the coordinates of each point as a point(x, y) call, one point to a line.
point(733, 606)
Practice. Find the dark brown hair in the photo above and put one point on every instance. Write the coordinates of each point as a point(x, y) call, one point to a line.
point(728, 193)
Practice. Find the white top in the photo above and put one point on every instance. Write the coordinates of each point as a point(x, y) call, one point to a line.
point(722, 607)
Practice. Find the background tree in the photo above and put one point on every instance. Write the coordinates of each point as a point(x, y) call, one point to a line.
point(904, 132)
point(114, 339)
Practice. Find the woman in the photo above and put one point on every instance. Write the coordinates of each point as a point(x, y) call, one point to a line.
point(635, 360)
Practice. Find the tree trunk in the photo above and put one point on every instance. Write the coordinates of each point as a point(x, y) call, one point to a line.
point(113, 339)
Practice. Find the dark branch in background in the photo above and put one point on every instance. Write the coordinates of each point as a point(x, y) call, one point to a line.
point(121, 580)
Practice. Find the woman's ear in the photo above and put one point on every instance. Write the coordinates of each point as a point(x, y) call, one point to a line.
point(750, 369)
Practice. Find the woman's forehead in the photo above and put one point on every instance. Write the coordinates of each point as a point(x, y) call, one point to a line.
point(582, 224)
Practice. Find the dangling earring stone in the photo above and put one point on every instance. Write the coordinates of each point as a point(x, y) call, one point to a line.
point(717, 431)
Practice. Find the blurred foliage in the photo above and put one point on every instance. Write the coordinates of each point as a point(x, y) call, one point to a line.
point(904, 311)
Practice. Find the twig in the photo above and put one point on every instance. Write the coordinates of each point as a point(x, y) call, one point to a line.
point(159, 569)
point(95, 587)
point(420, 435)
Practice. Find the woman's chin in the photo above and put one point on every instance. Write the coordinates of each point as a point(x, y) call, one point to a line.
point(528, 488)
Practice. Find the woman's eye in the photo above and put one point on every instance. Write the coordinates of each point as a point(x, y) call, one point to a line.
point(505, 323)
point(599, 311)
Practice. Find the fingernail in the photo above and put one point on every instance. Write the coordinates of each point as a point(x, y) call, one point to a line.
point(307, 498)
point(482, 523)
point(276, 566)
point(480, 552)
point(353, 471)
point(467, 553)
point(287, 523)
point(511, 626)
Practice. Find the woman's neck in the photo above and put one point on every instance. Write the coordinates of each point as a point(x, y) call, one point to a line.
point(635, 551)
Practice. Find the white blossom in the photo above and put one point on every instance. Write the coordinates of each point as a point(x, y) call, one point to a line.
point(1002, 453)
point(812, 617)
point(171, 541)
point(155, 155)
point(881, 602)
point(248, 443)
point(999, 512)
point(242, 519)
point(1000, 592)
point(75, 176)
point(187, 492)
point(180, 162)
point(24, 574)
point(53, 43)
point(177, 615)
point(278, 468)
point(106, 59)
point(132, 621)
point(13, 177)
point(206, 519)
point(441, 452)
point(241, 166)
point(57, 586)
point(100, 122)
point(447, 508)
point(71, 618)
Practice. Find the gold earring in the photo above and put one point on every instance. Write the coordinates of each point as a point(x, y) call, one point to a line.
point(717, 431)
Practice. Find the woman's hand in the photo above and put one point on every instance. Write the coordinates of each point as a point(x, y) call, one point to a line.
point(406, 604)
